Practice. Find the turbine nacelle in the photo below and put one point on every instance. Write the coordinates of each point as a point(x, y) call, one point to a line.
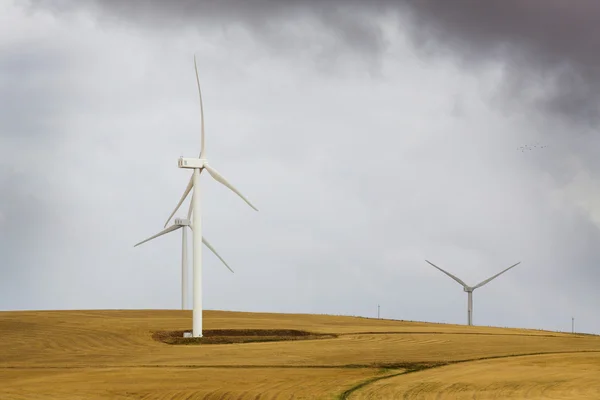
point(191, 163)
point(182, 222)
point(200, 164)
point(468, 288)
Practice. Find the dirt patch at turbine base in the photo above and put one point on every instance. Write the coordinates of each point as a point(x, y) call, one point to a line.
point(227, 336)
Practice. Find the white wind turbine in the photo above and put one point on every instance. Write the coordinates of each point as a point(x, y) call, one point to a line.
point(469, 289)
point(198, 165)
point(184, 223)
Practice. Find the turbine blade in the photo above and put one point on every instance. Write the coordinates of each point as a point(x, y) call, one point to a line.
point(202, 152)
point(215, 253)
point(219, 178)
point(448, 273)
point(495, 276)
point(189, 216)
point(185, 193)
point(163, 232)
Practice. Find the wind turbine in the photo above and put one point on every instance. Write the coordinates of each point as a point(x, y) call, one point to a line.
point(469, 289)
point(184, 223)
point(198, 165)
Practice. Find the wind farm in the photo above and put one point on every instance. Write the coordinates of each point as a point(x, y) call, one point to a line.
point(373, 139)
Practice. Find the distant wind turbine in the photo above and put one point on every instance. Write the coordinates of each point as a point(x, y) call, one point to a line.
point(184, 223)
point(469, 289)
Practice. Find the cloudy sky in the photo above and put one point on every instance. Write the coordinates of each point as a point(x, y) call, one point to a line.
point(369, 137)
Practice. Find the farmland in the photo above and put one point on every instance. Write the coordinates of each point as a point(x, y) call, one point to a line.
point(114, 354)
point(552, 376)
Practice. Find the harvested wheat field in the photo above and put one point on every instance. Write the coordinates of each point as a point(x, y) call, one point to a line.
point(549, 376)
point(124, 355)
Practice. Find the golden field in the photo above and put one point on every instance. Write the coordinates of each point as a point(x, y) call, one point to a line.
point(112, 355)
point(550, 376)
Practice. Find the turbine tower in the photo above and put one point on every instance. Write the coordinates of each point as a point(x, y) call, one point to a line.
point(197, 165)
point(184, 223)
point(469, 289)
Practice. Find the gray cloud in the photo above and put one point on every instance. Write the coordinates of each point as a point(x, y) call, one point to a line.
point(27, 219)
point(549, 48)
point(323, 31)
point(30, 71)
point(546, 43)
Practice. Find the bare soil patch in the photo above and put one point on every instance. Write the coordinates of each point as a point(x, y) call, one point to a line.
point(228, 336)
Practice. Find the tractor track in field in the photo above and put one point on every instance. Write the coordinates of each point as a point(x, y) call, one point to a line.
point(417, 367)
point(410, 366)
point(570, 335)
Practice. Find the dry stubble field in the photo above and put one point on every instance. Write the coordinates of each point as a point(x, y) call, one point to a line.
point(112, 355)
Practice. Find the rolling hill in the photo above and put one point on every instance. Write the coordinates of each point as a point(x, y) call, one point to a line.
point(112, 354)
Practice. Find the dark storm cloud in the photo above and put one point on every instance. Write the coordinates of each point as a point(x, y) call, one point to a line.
point(548, 43)
point(269, 20)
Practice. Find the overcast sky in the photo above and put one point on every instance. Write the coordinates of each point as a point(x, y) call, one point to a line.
point(369, 137)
